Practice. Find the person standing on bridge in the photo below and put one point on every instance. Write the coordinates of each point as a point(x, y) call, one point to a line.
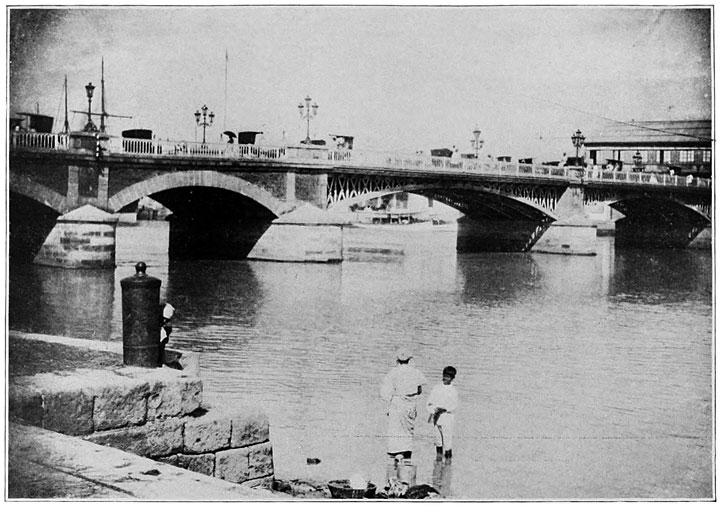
point(455, 159)
point(401, 388)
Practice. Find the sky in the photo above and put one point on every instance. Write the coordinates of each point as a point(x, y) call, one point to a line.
point(396, 78)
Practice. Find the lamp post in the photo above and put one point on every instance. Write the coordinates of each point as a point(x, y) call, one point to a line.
point(204, 124)
point(90, 126)
point(306, 112)
point(578, 139)
point(637, 160)
point(477, 142)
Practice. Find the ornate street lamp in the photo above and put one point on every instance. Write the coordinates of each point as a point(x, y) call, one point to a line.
point(90, 126)
point(306, 112)
point(204, 124)
point(477, 142)
point(578, 139)
point(637, 159)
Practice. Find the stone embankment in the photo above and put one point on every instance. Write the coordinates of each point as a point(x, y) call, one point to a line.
point(155, 413)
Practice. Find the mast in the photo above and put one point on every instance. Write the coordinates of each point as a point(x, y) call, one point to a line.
point(103, 114)
point(225, 114)
point(66, 125)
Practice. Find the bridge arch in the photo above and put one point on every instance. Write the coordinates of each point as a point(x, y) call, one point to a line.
point(659, 205)
point(39, 193)
point(470, 199)
point(657, 222)
point(197, 178)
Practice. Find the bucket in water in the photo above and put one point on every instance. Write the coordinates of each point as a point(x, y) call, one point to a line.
point(342, 489)
point(406, 473)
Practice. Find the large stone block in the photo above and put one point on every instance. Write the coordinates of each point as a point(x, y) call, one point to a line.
point(68, 412)
point(174, 397)
point(159, 438)
point(247, 463)
point(170, 460)
point(25, 404)
point(121, 402)
point(262, 483)
point(207, 433)
point(249, 428)
point(201, 463)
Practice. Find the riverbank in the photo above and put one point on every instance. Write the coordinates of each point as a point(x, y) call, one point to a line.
point(49, 464)
point(70, 463)
point(45, 464)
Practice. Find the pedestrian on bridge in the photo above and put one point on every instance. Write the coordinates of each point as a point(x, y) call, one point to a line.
point(401, 388)
point(455, 160)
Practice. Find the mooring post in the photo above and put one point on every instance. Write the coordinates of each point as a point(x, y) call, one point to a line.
point(141, 318)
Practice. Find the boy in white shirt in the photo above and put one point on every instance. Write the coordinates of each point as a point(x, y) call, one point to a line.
point(441, 404)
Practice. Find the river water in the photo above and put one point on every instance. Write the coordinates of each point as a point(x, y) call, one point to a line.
point(579, 377)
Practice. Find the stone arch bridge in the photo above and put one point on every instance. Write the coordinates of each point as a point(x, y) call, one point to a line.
point(279, 203)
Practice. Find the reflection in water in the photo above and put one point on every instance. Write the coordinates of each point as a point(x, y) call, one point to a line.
point(479, 274)
point(647, 274)
point(573, 381)
point(71, 302)
point(442, 477)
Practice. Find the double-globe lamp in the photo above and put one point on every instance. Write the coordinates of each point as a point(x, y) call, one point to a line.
point(204, 124)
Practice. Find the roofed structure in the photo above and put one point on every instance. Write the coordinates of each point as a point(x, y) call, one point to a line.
point(689, 133)
point(684, 147)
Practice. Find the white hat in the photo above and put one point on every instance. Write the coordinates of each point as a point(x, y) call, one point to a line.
point(403, 354)
point(168, 311)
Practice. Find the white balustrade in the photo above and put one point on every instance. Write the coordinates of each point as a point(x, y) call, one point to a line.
point(317, 155)
point(39, 140)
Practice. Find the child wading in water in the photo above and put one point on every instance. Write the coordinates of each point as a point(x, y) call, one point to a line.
point(442, 403)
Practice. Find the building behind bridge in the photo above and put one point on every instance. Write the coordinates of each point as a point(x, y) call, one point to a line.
point(684, 147)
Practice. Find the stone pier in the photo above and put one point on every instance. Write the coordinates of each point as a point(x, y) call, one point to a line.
point(307, 234)
point(573, 233)
point(83, 238)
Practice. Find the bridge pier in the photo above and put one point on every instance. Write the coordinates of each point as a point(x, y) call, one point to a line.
point(497, 235)
point(307, 234)
point(83, 238)
point(573, 233)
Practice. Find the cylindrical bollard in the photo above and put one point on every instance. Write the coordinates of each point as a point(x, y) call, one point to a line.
point(141, 318)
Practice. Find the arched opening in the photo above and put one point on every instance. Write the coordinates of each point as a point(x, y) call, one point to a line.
point(656, 223)
point(212, 223)
point(30, 223)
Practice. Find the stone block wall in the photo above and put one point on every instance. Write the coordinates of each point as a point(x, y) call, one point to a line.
point(231, 446)
point(155, 413)
point(84, 401)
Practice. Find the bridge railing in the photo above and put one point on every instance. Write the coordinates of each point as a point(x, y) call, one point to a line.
point(363, 158)
point(165, 148)
point(40, 141)
point(647, 178)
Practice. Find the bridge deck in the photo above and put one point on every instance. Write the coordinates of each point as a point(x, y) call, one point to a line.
point(234, 155)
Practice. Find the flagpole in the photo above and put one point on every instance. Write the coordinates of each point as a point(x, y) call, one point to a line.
point(225, 115)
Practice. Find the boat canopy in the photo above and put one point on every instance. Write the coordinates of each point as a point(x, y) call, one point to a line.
point(137, 134)
point(38, 122)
